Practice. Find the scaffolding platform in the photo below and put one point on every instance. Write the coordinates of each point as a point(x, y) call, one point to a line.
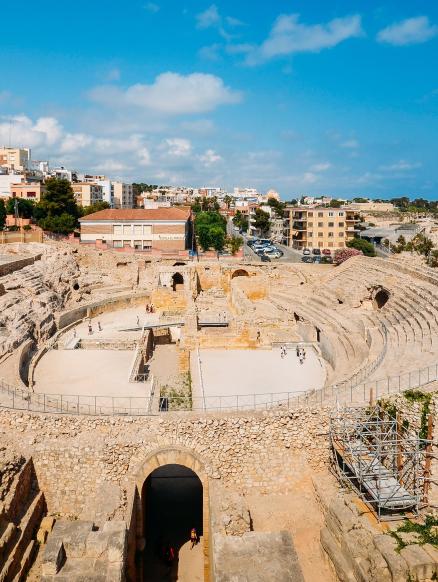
point(377, 458)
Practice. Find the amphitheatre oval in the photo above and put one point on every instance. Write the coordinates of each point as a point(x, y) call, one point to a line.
point(184, 382)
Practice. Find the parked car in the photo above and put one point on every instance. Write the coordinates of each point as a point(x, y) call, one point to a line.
point(327, 260)
point(306, 252)
point(272, 254)
point(307, 259)
point(317, 259)
point(316, 252)
point(265, 259)
point(326, 252)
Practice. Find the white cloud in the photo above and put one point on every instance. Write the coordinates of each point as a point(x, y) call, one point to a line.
point(350, 144)
point(409, 31)
point(210, 157)
point(152, 7)
point(209, 17)
point(199, 126)
point(402, 165)
point(289, 36)
point(210, 52)
point(178, 147)
point(171, 94)
point(112, 166)
point(21, 130)
point(322, 167)
point(309, 178)
point(113, 74)
point(73, 142)
point(144, 156)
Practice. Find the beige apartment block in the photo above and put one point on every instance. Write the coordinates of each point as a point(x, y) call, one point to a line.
point(15, 158)
point(165, 229)
point(28, 190)
point(123, 195)
point(323, 228)
point(87, 193)
point(372, 206)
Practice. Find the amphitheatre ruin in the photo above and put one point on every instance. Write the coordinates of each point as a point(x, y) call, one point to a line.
point(286, 411)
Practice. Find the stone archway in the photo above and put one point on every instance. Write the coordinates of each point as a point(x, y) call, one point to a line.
point(240, 273)
point(177, 281)
point(160, 458)
point(380, 299)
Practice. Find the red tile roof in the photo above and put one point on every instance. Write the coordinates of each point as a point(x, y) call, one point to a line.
point(131, 214)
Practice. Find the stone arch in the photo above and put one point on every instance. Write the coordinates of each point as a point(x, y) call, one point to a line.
point(172, 455)
point(177, 279)
point(240, 273)
point(381, 297)
point(179, 264)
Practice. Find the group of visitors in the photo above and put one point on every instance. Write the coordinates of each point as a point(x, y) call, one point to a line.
point(167, 551)
point(90, 327)
point(301, 354)
point(150, 308)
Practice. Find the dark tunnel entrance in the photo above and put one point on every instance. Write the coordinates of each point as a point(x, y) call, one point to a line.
point(173, 504)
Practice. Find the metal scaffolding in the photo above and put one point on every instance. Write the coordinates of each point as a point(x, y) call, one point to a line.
point(377, 456)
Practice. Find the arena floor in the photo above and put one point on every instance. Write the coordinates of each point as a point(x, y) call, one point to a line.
point(253, 375)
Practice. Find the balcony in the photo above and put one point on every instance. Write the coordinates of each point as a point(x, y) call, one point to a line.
point(299, 225)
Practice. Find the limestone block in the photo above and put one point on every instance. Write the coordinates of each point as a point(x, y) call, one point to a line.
point(73, 535)
point(433, 553)
point(53, 557)
point(7, 536)
point(343, 569)
point(398, 567)
point(117, 542)
point(420, 563)
point(339, 519)
point(115, 572)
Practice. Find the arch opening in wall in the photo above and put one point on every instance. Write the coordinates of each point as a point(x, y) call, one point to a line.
point(177, 281)
point(380, 298)
point(179, 264)
point(240, 273)
point(173, 504)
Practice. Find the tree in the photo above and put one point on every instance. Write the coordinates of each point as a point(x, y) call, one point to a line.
point(210, 229)
point(63, 224)
point(25, 207)
point(342, 255)
point(433, 259)
point(228, 201)
point(360, 200)
point(363, 245)
point(422, 245)
point(277, 206)
point(261, 221)
point(94, 208)
point(335, 203)
point(241, 221)
point(58, 199)
point(57, 211)
point(2, 214)
point(234, 244)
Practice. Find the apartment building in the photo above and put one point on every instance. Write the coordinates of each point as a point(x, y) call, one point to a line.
point(122, 195)
point(87, 193)
point(323, 228)
point(15, 159)
point(28, 190)
point(164, 229)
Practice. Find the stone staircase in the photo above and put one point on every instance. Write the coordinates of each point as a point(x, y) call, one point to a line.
point(22, 506)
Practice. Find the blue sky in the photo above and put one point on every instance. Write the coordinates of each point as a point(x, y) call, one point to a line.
point(302, 96)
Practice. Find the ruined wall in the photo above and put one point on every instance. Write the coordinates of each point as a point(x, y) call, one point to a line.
point(75, 457)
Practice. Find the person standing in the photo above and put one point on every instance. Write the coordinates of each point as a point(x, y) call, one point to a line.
point(193, 537)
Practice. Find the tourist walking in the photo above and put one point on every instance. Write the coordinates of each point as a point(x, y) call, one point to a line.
point(99, 326)
point(90, 329)
point(138, 320)
point(193, 537)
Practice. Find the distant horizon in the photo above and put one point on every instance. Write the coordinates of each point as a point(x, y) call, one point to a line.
point(301, 97)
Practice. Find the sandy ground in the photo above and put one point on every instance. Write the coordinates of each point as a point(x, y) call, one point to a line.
point(299, 514)
point(260, 372)
point(87, 372)
point(164, 364)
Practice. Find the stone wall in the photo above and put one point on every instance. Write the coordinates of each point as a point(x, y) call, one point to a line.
point(17, 264)
point(75, 456)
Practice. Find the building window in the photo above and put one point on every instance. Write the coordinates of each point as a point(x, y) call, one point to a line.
point(331, 235)
point(126, 229)
point(310, 214)
point(310, 235)
point(331, 213)
point(320, 244)
point(320, 224)
point(341, 245)
point(341, 224)
point(341, 234)
point(330, 245)
point(147, 245)
point(117, 244)
point(147, 229)
point(126, 243)
point(320, 234)
point(331, 224)
point(137, 229)
point(117, 229)
point(320, 214)
point(341, 214)
point(310, 224)
point(137, 245)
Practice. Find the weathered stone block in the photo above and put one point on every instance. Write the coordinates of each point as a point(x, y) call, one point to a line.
point(398, 567)
point(53, 557)
point(420, 563)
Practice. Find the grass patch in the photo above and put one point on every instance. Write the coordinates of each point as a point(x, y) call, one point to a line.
point(424, 530)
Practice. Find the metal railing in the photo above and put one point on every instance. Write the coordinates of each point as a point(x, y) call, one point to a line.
point(19, 399)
